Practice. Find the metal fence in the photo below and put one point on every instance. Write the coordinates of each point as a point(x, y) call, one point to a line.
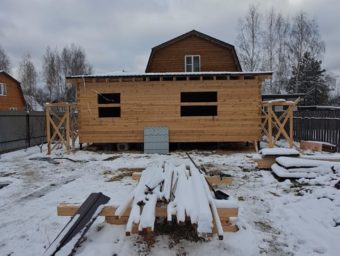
point(21, 130)
point(318, 125)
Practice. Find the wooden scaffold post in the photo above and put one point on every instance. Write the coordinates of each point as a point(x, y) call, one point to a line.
point(61, 125)
point(275, 124)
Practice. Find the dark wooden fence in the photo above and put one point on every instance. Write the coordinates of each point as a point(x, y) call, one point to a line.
point(318, 125)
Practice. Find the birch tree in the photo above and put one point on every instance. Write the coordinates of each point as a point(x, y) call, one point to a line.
point(28, 77)
point(52, 75)
point(73, 62)
point(248, 40)
point(304, 37)
point(5, 64)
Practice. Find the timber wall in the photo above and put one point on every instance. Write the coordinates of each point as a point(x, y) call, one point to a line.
point(213, 57)
point(158, 104)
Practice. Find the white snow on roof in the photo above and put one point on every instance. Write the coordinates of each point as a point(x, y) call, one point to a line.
point(126, 74)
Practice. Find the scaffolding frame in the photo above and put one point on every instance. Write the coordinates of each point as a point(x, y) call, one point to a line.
point(276, 125)
point(61, 125)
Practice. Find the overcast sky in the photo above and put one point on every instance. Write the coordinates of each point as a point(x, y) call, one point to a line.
point(118, 35)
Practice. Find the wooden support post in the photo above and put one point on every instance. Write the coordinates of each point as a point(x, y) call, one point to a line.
point(48, 131)
point(67, 128)
point(270, 128)
point(291, 131)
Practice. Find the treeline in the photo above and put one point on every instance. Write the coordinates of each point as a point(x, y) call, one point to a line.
point(56, 65)
point(292, 47)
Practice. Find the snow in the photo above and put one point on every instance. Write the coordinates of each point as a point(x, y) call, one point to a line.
point(279, 151)
point(291, 173)
point(127, 74)
point(291, 162)
point(275, 218)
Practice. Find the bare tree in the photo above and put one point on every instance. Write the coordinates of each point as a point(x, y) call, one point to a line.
point(304, 37)
point(52, 75)
point(28, 78)
point(248, 39)
point(5, 64)
point(73, 62)
point(281, 64)
point(57, 66)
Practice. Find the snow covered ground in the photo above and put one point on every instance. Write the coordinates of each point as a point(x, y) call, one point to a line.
point(275, 218)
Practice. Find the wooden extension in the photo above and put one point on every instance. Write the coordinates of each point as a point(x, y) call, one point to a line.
point(61, 125)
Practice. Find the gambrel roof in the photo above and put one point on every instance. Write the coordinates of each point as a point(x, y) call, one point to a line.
point(200, 35)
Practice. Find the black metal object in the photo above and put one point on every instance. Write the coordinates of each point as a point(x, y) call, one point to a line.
point(85, 219)
point(220, 195)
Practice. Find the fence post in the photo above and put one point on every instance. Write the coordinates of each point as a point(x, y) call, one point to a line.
point(28, 130)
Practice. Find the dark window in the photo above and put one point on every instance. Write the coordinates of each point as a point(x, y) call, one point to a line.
point(109, 112)
point(108, 98)
point(198, 96)
point(198, 110)
point(192, 63)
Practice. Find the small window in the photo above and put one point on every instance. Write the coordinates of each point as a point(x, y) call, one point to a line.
point(192, 63)
point(108, 98)
point(198, 96)
point(109, 111)
point(3, 91)
point(198, 110)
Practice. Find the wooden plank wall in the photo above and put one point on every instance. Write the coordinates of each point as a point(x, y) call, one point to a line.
point(157, 104)
point(13, 98)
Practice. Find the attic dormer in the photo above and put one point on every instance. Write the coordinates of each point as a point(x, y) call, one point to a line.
point(193, 52)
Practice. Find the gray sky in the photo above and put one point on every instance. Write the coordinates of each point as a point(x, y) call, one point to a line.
point(118, 34)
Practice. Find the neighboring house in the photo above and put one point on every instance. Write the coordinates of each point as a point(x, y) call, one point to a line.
point(193, 52)
point(214, 102)
point(11, 96)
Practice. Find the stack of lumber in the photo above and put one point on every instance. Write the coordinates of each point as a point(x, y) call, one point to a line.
point(176, 193)
point(317, 146)
point(288, 167)
point(268, 156)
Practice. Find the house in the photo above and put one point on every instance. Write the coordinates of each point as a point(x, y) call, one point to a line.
point(11, 96)
point(193, 87)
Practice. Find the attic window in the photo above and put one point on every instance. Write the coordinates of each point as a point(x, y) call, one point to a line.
point(3, 91)
point(192, 63)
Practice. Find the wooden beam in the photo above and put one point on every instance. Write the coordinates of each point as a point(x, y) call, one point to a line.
point(65, 209)
point(265, 163)
point(215, 180)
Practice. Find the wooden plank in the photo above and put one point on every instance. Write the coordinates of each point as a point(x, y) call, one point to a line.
point(65, 209)
point(218, 181)
point(215, 180)
point(265, 163)
point(227, 212)
point(116, 221)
